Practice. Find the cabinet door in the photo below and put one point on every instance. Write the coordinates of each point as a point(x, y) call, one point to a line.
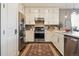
point(27, 15)
point(27, 18)
point(50, 16)
point(46, 17)
point(29, 36)
point(53, 16)
point(9, 25)
point(47, 36)
point(36, 13)
point(58, 41)
point(70, 47)
point(42, 12)
point(30, 15)
point(4, 40)
point(61, 43)
point(32, 19)
point(56, 16)
point(12, 29)
point(55, 37)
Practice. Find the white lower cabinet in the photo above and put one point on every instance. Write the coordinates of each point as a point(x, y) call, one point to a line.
point(29, 36)
point(58, 41)
point(56, 38)
point(48, 36)
point(61, 43)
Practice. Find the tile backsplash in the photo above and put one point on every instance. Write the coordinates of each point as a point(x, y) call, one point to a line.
point(29, 27)
point(52, 27)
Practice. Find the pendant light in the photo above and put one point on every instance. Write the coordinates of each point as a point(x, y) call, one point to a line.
point(65, 16)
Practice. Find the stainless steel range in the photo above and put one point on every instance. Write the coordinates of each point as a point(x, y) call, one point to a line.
point(39, 34)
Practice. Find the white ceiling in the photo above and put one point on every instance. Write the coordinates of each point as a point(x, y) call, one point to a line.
point(53, 5)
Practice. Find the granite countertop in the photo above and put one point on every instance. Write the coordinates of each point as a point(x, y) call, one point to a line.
point(73, 34)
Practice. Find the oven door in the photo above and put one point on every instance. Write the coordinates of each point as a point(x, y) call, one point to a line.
point(39, 36)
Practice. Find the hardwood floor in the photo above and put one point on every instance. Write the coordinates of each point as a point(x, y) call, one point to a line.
point(40, 49)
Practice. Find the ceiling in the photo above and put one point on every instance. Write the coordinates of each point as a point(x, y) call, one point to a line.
point(53, 5)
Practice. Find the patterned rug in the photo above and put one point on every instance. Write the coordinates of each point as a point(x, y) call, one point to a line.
point(39, 49)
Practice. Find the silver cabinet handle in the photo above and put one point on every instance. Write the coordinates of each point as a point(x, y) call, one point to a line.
point(4, 32)
point(15, 31)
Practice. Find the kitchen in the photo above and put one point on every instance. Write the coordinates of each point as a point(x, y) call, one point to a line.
point(41, 25)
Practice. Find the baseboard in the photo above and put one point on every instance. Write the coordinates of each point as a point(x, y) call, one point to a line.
point(36, 42)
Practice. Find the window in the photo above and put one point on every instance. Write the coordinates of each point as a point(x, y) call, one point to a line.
point(75, 20)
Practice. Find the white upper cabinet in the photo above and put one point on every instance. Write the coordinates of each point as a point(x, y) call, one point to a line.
point(50, 15)
point(32, 18)
point(29, 16)
point(42, 13)
point(53, 16)
point(36, 13)
point(46, 17)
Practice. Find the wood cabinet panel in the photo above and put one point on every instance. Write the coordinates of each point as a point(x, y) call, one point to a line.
point(71, 47)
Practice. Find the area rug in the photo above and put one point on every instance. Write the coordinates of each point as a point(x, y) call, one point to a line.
point(39, 49)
